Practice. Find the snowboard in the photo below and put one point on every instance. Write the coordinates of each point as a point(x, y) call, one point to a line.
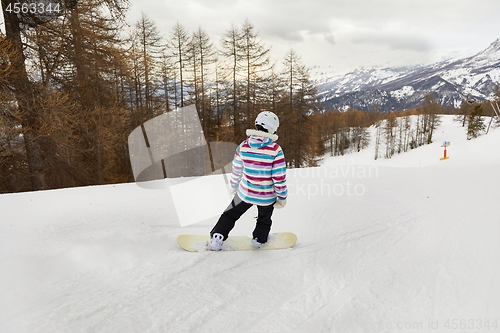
point(199, 243)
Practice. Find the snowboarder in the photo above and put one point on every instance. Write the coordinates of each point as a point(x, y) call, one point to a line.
point(258, 178)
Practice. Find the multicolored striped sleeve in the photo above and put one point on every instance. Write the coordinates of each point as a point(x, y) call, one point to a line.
point(279, 175)
point(237, 169)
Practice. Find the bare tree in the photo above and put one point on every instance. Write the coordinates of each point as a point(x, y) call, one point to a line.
point(255, 62)
point(179, 45)
point(378, 132)
point(73, 72)
point(147, 41)
point(168, 83)
point(389, 134)
point(230, 46)
point(300, 94)
point(202, 58)
point(24, 92)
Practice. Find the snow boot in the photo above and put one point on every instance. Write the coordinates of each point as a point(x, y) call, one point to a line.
point(256, 243)
point(216, 242)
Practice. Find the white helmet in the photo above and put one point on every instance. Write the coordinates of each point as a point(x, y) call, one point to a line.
point(267, 121)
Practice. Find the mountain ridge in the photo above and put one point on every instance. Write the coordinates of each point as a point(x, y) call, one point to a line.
point(400, 88)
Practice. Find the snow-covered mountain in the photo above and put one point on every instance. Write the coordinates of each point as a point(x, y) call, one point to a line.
point(400, 88)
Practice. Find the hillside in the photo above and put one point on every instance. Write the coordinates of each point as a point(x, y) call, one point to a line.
point(408, 244)
point(401, 88)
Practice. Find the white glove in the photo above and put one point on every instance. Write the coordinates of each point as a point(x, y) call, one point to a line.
point(280, 203)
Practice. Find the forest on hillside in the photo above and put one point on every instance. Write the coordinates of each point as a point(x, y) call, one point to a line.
point(398, 132)
point(75, 83)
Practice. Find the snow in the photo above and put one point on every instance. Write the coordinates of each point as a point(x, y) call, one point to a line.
point(407, 244)
point(404, 92)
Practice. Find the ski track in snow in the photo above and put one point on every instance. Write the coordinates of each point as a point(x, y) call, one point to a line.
point(420, 246)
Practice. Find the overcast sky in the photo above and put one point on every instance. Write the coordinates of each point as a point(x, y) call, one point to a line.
point(342, 35)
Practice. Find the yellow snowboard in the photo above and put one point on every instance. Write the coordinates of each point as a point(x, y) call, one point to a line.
point(199, 243)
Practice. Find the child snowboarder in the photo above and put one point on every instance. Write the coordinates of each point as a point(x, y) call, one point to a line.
point(258, 178)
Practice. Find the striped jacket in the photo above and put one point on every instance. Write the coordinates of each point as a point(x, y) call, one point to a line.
point(259, 169)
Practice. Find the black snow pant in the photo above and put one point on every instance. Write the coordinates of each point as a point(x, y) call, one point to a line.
point(237, 208)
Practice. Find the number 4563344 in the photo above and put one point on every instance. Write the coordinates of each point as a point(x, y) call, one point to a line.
point(33, 8)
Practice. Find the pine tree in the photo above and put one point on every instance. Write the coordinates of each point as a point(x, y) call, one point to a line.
point(430, 108)
point(475, 122)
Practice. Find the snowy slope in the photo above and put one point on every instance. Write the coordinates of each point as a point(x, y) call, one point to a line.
point(410, 244)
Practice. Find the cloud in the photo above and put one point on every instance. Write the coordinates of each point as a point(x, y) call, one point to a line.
point(330, 38)
point(382, 29)
point(279, 32)
point(394, 40)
